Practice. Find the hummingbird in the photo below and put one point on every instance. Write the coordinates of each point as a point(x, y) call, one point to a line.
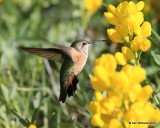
point(73, 60)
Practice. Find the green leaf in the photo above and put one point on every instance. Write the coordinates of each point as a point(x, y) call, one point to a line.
point(157, 106)
point(90, 76)
point(158, 125)
point(24, 122)
point(15, 113)
point(156, 57)
point(154, 93)
point(151, 70)
point(5, 93)
point(34, 116)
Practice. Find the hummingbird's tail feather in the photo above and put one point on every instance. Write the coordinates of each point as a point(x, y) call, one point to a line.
point(63, 95)
point(69, 89)
point(72, 85)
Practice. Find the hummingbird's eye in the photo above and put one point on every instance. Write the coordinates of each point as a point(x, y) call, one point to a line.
point(83, 43)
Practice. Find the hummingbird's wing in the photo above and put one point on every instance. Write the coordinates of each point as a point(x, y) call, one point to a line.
point(58, 53)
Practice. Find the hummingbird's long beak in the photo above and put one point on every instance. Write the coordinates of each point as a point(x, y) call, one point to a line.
point(94, 41)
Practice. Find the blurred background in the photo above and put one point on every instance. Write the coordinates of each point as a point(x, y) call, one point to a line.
point(28, 82)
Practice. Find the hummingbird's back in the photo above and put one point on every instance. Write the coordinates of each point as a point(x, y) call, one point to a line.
point(68, 80)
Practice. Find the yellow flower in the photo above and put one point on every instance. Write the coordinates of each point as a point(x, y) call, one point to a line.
point(127, 19)
point(111, 64)
point(151, 113)
point(156, 114)
point(125, 56)
point(98, 96)
point(138, 93)
point(119, 96)
point(140, 5)
point(125, 100)
point(111, 8)
point(110, 15)
point(125, 9)
point(107, 106)
point(122, 29)
point(140, 44)
point(138, 110)
point(135, 45)
point(120, 58)
point(115, 123)
point(136, 74)
point(139, 18)
point(92, 5)
point(111, 18)
point(120, 81)
point(102, 72)
point(134, 91)
point(114, 35)
point(32, 126)
point(100, 78)
point(94, 107)
point(145, 93)
point(145, 45)
point(116, 99)
point(97, 120)
point(130, 25)
point(122, 11)
point(128, 54)
point(145, 29)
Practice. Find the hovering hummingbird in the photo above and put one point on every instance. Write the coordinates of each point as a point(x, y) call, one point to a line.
point(73, 59)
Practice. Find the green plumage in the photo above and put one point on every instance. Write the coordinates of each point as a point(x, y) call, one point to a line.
point(65, 72)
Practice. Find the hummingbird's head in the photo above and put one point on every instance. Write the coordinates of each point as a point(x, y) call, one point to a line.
point(81, 45)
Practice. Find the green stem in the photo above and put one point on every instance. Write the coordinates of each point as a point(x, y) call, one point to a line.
point(154, 43)
point(104, 4)
point(155, 33)
point(156, 100)
point(137, 58)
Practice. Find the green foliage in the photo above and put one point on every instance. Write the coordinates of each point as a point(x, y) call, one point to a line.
point(156, 57)
point(25, 82)
point(24, 122)
point(158, 125)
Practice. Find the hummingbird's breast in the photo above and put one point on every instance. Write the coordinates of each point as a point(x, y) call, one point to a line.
point(69, 70)
point(80, 61)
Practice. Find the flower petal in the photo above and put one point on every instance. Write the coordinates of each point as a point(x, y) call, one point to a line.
point(120, 58)
point(114, 35)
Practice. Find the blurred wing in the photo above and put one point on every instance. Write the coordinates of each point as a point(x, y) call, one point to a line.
point(56, 54)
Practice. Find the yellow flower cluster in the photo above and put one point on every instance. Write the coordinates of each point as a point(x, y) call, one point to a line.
point(92, 5)
point(119, 96)
point(130, 29)
point(32, 126)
